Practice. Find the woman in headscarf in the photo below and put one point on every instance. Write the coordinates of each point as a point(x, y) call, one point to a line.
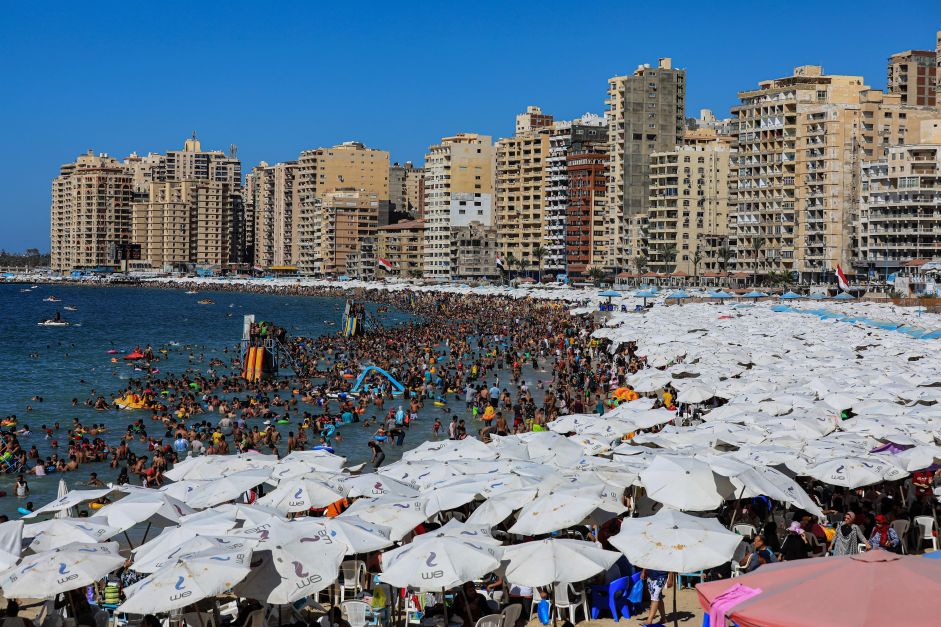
point(848, 537)
point(884, 536)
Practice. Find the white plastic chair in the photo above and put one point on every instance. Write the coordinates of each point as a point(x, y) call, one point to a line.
point(352, 578)
point(925, 527)
point(568, 598)
point(901, 527)
point(256, 619)
point(490, 620)
point(736, 569)
point(355, 612)
point(199, 619)
point(511, 614)
point(745, 530)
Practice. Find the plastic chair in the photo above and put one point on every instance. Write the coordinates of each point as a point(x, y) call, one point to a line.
point(352, 578)
point(737, 569)
point(511, 614)
point(355, 612)
point(256, 619)
point(490, 620)
point(745, 530)
point(199, 619)
point(701, 576)
point(901, 527)
point(568, 598)
point(925, 527)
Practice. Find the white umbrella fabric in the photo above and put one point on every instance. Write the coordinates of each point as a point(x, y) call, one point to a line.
point(11, 543)
point(227, 488)
point(57, 532)
point(682, 483)
point(44, 575)
point(68, 500)
point(556, 560)
point(439, 563)
point(400, 515)
point(299, 495)
point(140, 506)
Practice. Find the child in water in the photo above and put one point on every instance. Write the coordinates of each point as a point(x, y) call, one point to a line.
point(436, 427)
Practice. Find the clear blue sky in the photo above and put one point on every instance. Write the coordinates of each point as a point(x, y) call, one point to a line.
point(278, 77)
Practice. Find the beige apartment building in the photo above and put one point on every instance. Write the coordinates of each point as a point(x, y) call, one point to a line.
point(270, 194)
point(333, 229)
point(800, 144)
point(646, 114)
point(459, 187)
point(402, 244)
point(520, 194)
point(913, 76)
point(689, 204)
point(184, 224)
point(900, 209)
point(405, 189)
point(474, 252)
point(90, 212)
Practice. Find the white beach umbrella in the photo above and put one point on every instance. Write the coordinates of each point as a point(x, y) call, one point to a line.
point(556, 560)
point(439, 563)
point(498, 508)
point(185, 582)
point(324, 460)
point(855, 472)
point(227, 488)
point(556, 510)
point(172, 537)
point(252, 514)
point(374, 484)
point(300, 495)
point(11, 543)
point(400, 515)
point(291, 569)
point(682, 483)
point(193, 547)
point(695, 393)
point(44, 575)
point(68, 500)
point(180, 490)
point(675, 542)
point(470, 532)
point(447, 450)
point(137, 507)
point(451, 494)
point(57, 532)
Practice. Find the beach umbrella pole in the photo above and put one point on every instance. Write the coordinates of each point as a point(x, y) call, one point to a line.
point(129, 543)
point(738, 503)
point(675, 586)
point(146, 531)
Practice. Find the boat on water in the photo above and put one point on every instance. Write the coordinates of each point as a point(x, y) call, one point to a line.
point(27, 290)
point(70, 308)
point(192, 292)
point(54, 323)
point(51, 299)
point(206, 301)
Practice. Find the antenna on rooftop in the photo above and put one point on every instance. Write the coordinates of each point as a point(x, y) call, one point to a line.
point(233, 151)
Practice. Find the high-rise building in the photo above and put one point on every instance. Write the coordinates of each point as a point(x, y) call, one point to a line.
point(689, 204)
point(192, 212)
point(474, 252)
point(646, 114)
point(349, 166)
point(334, 228)
point(405, 189)
point(913, 76)
point(900, 209)
point(459, 185)
point(90, 212)
point(520, 194)
point(402, 244)
point(800, 144)
point(270, 194)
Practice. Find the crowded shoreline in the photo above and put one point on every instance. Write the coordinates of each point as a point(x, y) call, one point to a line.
point(552, 391)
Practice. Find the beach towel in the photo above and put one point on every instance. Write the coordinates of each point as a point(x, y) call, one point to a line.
point(724, 603)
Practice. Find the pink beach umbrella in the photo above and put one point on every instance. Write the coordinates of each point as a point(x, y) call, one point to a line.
point(865, 590)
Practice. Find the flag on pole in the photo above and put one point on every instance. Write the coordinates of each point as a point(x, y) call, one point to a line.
point(841, 279)
point(385, 263)
point(500, 263)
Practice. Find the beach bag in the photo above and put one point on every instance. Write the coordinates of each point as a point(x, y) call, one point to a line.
point(542, 611)
point(636, 595)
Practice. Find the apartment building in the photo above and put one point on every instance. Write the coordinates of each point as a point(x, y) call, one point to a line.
point(900, 212)
point(689, 204)
point(405, 189)
point(520, 194)
point(333, 229)
point(402, 244)
point(646, 114)
point(269, 192)
point(459, 188)
point(913, 76)
point(90, 212)
point(800, 144)
point(474, 252)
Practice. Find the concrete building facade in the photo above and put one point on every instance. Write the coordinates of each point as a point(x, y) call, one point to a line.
point(646, 114)
point(405, 189)
point(474, 252)
point(402, 244)
point(459, 187)
point(333, 230)
point(913, 76)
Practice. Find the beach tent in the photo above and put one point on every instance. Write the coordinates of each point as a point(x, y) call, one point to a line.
point(864, 590)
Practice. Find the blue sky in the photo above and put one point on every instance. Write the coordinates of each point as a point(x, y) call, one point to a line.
point(277, 77)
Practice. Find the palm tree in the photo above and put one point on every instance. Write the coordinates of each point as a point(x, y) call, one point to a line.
point(725, 255)
point(521, 266)
point(538, 253)
point(596, 275)
point(668, 257)
point(697, 259)
point(640, 262)
point(756, 245)
point(510, 262)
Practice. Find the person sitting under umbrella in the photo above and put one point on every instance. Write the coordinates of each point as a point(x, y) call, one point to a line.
point(848, 537)
point(758, 556)
point(884, 536)
point(470, 604)
point(795, 545)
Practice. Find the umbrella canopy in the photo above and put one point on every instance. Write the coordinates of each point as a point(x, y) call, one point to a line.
point(374, 484)
point(754, 294)
point(400, 515)
point(680, 294)
point(185, 582)
point(498, 508)
point(865, 590)
point(57, 532)
point(610, 293)
point(11, 543)
point(844, 296)
point(855, 472)
point(695, 393)
point(438, 563)
point(720, 294)
point(194, 547)
point(70, 499)
point(137, 507)
point(557, 510)
point(556, 560)
point(817, 296)
point(300, 495)
point(790, 296)
point(46, 574)
point(227, 488)
point(289, 570)
point(681, 483)
point(675, 542)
